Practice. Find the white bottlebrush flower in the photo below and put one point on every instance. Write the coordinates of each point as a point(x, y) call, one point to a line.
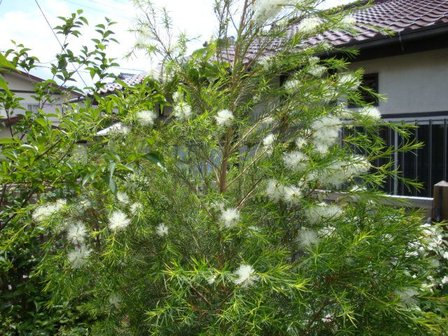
point(325, 132)
point(76, 233)
point(292, 194)
point(46, 211)
point(349, 79)
point(264, 10)
point(300, 142)
point(326, 231)
point(245, 276)
point(268, 143)
point(322, 212)
point(309, 25)
point(356, 166)
point(177, 97)
point(122, 197)
point(291, 85)
point(307, 237)
point(328, 318)
point(445, 255)
point(136, 208)
point(146, 118)
point(269, 140)
point(295, 160)
point(224, 118)
point(182, 111)
point(370, 112)
point(161, 230)
point(78, 256)
point(444, 280)
point(317, 70)
point(348, 22)
point(230, 217)
point(118, 220)
point(211, 279)
point(274, 190)
point(117, 128)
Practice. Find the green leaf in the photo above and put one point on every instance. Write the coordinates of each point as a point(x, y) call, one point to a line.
point(154, 157)
point(4, 63)
point(112, 184)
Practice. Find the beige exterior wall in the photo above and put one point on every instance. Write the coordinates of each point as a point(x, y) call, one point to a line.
point(23, 87)
point(412, 83)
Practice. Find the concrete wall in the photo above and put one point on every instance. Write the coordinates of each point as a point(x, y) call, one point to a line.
point(411, 83)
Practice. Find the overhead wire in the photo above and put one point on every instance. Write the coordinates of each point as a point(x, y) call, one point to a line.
point(59, 42)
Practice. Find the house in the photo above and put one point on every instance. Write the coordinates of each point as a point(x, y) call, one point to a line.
point(23, 85)
point(410, 68)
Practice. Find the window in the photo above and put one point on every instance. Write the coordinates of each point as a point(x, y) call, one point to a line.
point(369, 86)
point(32, 107)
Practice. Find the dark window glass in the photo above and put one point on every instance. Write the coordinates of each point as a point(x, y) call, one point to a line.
point(368, 86)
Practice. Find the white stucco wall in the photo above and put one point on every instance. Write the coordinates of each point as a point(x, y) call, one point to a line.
point(411, 83)
point(21, 83)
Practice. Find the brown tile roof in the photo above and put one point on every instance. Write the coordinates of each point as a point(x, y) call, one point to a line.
point(394, 16)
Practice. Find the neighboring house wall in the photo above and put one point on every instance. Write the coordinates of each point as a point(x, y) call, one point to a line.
point(23, 86)
point(412, 83)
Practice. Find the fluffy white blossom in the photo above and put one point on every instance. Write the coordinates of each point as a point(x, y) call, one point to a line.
point(326, 231)
point(444, 280)
point(230, 217)
point(339, 172)
point(136, 208)
point(146, 118)
point(274, 190)
point(348, 21)
point(46, 211)
point(265, 10)
point(224, 118)
point(268, 143)
point(211, 279)
point(307, 237)
point(322, 212)
point(182, 111)
point(269, 140)
point(328, 318)
point(349, 79)
point(300, 142)
point(78, 256)
point(317, 70)
point(325, 133)
point(309, 24)
point(292, 194)
point(245, 276)
point(118, 220)
point(295, 160)
point(76, 233)
point(370, 112)
point(122, 197)
point(117, 128)
point(291, 85)
point(162, 230)
point(177, 97)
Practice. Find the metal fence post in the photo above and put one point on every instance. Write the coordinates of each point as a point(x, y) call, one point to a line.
point(440, 203)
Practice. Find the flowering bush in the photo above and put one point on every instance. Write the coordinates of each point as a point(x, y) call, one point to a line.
point(209, 215)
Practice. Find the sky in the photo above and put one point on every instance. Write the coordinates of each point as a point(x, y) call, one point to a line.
point(23, 22)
